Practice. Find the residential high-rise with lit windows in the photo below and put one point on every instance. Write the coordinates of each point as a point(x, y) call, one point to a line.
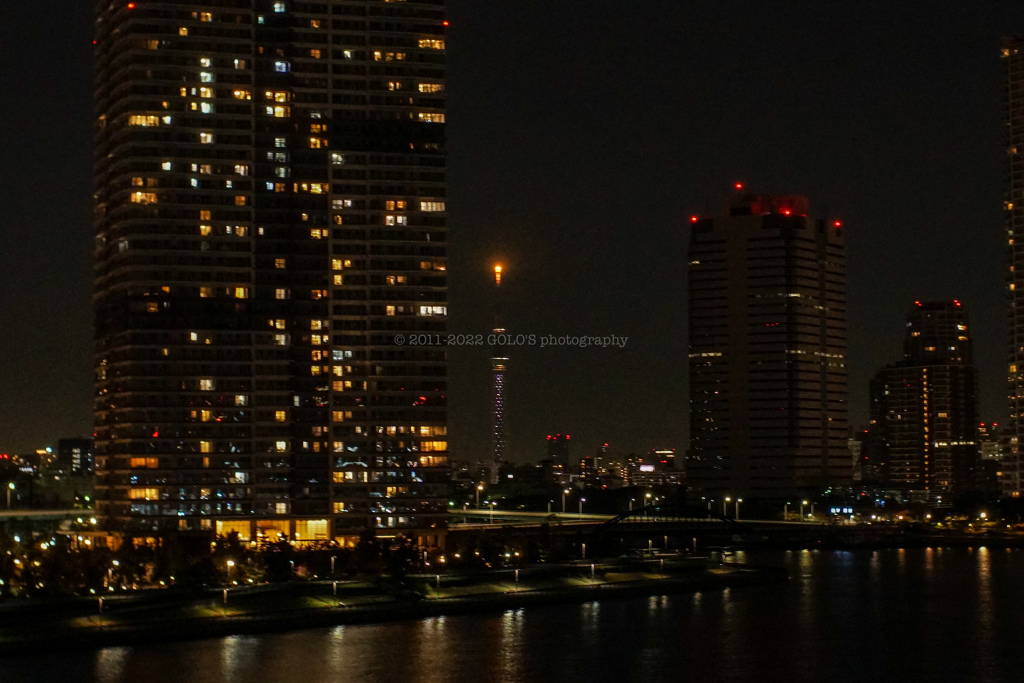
point(767, 353)
point(1013, 78)
point(270, 214)
point(924, 414)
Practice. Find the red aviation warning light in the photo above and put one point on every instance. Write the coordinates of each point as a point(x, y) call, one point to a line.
point(693, 219)
point(131, 5)
point(838, 224)
point(738, 186)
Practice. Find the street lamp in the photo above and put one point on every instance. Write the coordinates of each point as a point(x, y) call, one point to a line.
point(738, 501)
point(565, 492)
point(10, 487)
point(647, 496)
point(582, 501)
point(785, 512)
point(479, 488)
point(492, 504)
point(802, 504)
point(727, 500)
point(631, 504)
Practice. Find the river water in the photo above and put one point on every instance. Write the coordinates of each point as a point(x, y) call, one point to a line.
point(954, 614)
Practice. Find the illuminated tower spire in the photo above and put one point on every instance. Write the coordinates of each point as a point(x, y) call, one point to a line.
point(499, 364)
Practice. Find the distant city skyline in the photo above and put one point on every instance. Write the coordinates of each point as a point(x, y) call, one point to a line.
point(571, 172)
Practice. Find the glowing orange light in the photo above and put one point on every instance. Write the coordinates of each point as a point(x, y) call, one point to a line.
point(445, 23)
point(497, 275)
point(131, 5)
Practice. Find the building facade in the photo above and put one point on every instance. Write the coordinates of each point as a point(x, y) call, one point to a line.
point(270, 214)
point(924, 408)
point(1013, 206)
point(767, 352)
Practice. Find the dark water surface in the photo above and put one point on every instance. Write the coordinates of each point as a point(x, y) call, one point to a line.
point(919, 615)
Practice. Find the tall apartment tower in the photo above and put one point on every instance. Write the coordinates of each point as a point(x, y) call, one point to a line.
point(767, 353)
point(270, 215)
point(924, 411)
point(1013, 75)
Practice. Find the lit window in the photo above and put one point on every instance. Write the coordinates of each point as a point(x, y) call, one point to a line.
point(166, 166)
point(315, 53)
point(240, 200)
point(431, 206)
point(280, 293)
point(279, 112)
point(205, 77)
point(241, 169)
point(431, 87)
point(337, 159)
point(204, 61)
point(280, 142)
point(206, 385)
point(205, 447)
point(280, 416)
point(241, 292)
point(205, 16)
point(428, 117)
point(206, 138)
point(281, 446)
point(205, 292)
point(390, 310)
point(143, 197)
point(431, 44)
point(206, 108)
point(338, 505)
point(242, 95)
point(280, 7)
point(433, 310)
point(282, 67)
point(143, 120)
point(205, 229)
point(316, 143)
point(182, 31)
point(239, 63)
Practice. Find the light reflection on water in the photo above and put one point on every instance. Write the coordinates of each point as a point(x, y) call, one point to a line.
point(920, 614)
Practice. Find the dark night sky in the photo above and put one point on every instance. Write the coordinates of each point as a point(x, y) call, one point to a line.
point(582, 135)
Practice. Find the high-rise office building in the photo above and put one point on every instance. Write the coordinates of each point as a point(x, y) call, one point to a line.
point(270, 214)
point(1013, 77)
point(924, 407)
point(558, 450)
point(767, 353)
point(75, 456)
